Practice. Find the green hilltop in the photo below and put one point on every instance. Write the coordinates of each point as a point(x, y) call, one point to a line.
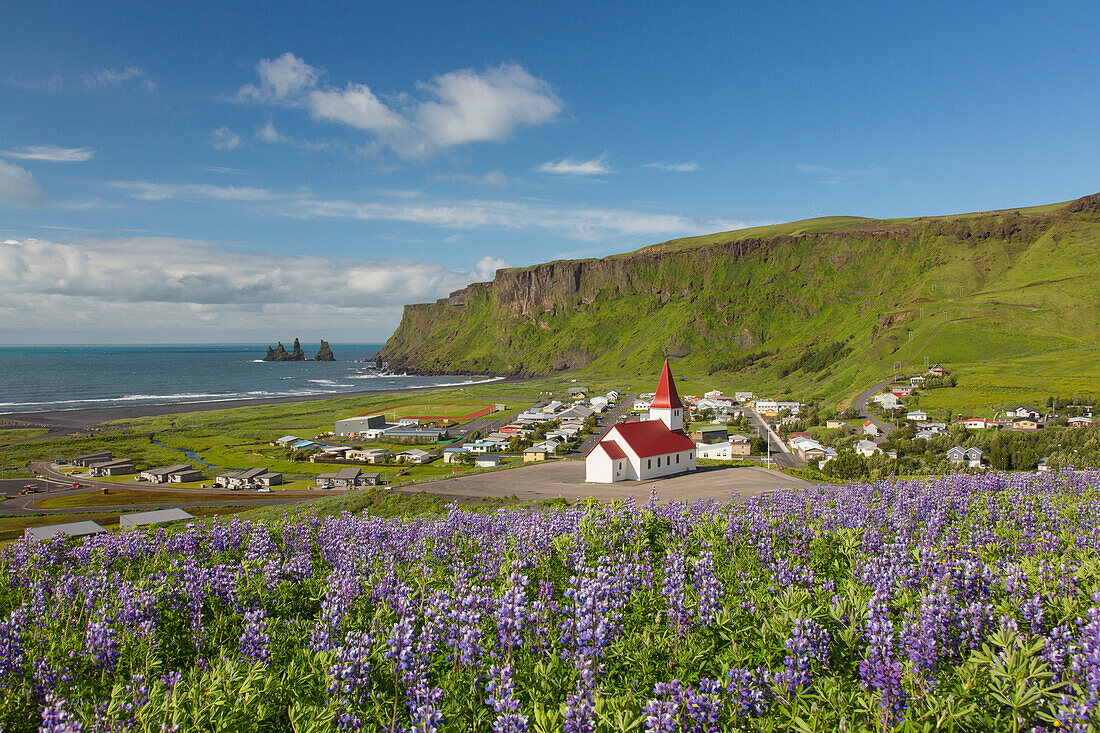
point(818, 308)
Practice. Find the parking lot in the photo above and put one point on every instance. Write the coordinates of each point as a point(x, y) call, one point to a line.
point(565, 479)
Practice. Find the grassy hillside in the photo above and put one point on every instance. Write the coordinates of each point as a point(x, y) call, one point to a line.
point(819, 307)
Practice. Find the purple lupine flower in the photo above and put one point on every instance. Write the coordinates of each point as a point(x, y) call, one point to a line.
point(255, 643)
point(351, 670)
point(101, 642)
point(11, 642)
point(56, 717)
point(807, 646)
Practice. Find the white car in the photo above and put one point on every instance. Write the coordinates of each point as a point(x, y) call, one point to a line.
point(264, 490)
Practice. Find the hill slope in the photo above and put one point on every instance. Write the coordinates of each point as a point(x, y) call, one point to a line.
point(824, 304)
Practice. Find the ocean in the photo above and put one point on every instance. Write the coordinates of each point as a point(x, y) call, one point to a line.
point(43, 378)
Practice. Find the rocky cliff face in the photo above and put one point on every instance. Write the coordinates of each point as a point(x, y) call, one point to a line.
point(870, 283)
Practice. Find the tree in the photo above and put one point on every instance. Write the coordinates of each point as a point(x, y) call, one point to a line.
point(758, 446)
point(846, 465)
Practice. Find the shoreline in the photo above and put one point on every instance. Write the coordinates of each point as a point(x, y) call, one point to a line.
point(91, 416)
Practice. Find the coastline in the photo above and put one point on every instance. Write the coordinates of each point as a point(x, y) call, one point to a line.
point(92, 416)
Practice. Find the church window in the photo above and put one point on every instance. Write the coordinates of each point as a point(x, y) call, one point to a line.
point(649, 463)
point(658, 461)
point(677, 457)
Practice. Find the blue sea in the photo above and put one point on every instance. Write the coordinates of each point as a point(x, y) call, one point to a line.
point(43, 378)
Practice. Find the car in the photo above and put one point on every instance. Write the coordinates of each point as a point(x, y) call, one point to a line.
point(264, 490)
point(75, 485)
point(30, 486)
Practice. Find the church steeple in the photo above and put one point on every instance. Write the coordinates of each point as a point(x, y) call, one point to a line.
point(667, 406)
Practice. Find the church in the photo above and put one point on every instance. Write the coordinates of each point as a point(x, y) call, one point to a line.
point(638, 451)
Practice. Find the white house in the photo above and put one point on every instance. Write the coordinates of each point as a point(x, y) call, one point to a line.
point(414, 455)
point(743, 396)
point(977, 423)
point(916, 415)
point(452, 452)
point(887, 400)
point(867, 449)
point(1025, 412)
point(869, 428)
point(1079, 422)
point(487, 461)
point(717, 451)
point(641, 405)
point(646, 449)
point(972, 457)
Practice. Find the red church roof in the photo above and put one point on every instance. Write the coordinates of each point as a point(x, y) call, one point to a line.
point(666, 396)
point(612, 449)
point(651, 438)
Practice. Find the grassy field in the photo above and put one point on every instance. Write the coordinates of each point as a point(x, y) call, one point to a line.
point(122, 497)
point(437, 410)
point(9, 434)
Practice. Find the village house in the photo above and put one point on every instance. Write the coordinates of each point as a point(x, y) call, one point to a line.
point(977, 423)
point(870, 428)
point(346, 478)
point(807, 448)
point(715, 451)
point(90, 458)
point(916, 381)
point(867, 449)
point(249, 478)
point(709, 434)
point(1026, 423)
point(413, 455)
point(452, 452)
point(368, 455)
point(487, 461)
point(1025, 412)
point(887, 400)
point(834, 424)
point(1079, 422)
point(115, 467)
point(916, 415)
point(743, 397)
point(177, 474)
point(1043, 465)
point(901, 390)
point(970, 457)
point(936, 371)
point(646, 449)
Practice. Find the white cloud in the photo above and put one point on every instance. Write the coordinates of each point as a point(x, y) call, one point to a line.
point(160, 284)
point(118, 77)
point(18, 187)
point(225, 139)
point(457, 108)
point(677, 167)
point(149, 191)
point(268, 134)
point(355, 106)
point(577, 222)
point(574, 167)
point(281, 78)
point(487, 106)
point(50, 153)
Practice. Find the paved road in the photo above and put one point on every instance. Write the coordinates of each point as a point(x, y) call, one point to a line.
point(565, 479)
point(604, 423)
point(860, 404)
point(781, 454)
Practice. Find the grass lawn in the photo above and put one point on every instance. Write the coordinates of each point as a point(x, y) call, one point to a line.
point(122, 496)
point(9, 434)
point(437, 410)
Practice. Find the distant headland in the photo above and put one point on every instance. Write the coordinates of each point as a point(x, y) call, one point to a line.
point(279, 353)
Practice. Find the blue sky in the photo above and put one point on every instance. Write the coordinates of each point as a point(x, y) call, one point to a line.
point(217, 172)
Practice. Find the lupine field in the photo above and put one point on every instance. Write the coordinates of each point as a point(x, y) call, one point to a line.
point(960, 603)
